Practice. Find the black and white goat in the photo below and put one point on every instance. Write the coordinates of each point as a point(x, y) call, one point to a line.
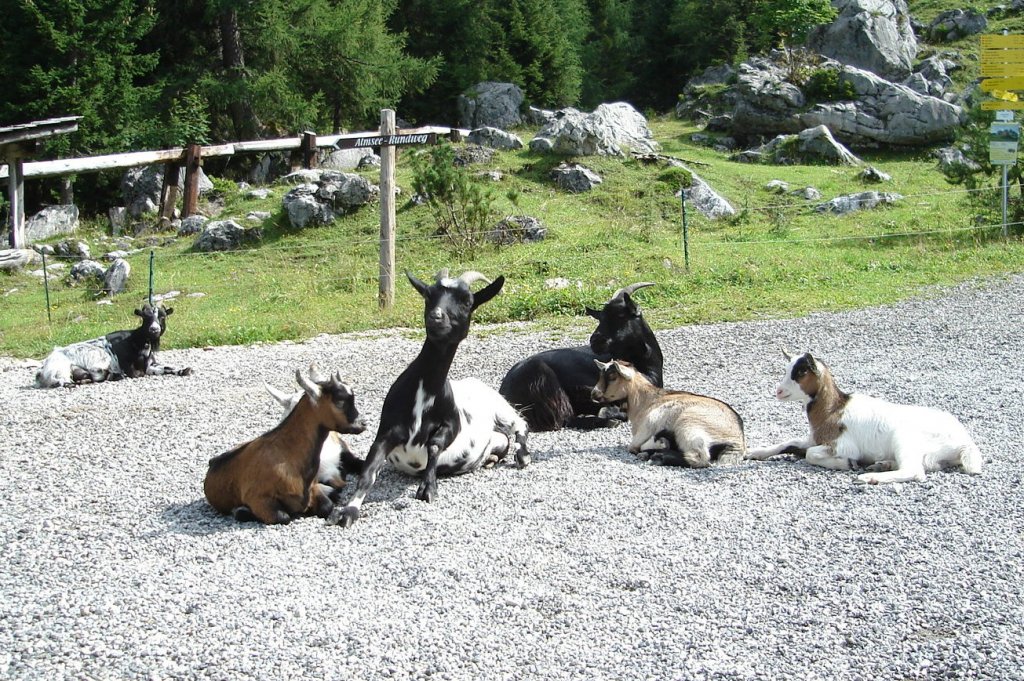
point(272, 478)
point(119, 354)
point(430, 425)
point(336, 459)
point(552, 388)
point(848, 430)
point(672, 427)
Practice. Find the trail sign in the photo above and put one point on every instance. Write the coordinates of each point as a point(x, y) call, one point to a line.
point(1002, 143)
point(396, 140)
point(997, 41)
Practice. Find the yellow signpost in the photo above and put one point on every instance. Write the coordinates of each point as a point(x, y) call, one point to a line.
point(1002, 67)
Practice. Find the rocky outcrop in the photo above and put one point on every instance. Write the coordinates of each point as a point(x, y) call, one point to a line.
point(324, 195)
point(517, 229)
point(575, 178)
point(141, 188)
point(495, 105)
point(814, 145)
point(226, 235)
point(13, 259)
point(51, 221)
point(610, 130)
point(854, 202)
point(495, 138)
point(874, 35)
point(955, 24)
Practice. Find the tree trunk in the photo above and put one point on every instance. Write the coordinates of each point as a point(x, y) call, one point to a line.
point(243, 118)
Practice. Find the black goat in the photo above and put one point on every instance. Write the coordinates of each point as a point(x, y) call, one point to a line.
point(430, 425)
point(119, 354)
point(552, 389)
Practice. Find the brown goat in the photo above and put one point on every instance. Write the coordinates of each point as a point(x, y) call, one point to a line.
point(273, 478)
point(671, 427)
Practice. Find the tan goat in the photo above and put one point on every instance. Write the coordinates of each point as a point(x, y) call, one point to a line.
point(273, 478)
point(671, 427)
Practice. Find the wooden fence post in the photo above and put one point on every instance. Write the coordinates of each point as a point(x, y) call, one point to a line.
point(16, 182)
point(308, 149)
point(386, 296)
point(190, 197)
point(169, 193)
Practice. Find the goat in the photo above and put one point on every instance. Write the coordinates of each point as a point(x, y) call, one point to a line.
point(272, 478)
point(671, 427)
point(117, 355)
point(552, 388)
point(336, 459)
point(848, 430)
point(430, 425)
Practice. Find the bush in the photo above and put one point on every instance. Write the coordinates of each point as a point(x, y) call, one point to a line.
point(826, 85)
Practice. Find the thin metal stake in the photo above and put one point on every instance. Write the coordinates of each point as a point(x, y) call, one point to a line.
point(686, 232)
point(151, 278)
point(1004, 200)
point(46, 287)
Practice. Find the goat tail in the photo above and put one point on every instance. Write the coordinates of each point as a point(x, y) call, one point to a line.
point(350, 463)
point(970, 458)
point(538, 395)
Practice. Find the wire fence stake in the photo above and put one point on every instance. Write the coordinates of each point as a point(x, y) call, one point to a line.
point(686, 231)
point(46, 287)
point(151, 278)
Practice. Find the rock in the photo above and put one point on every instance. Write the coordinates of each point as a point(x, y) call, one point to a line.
point(807, 194)
point(75, 250)
point(87, 269)
point(611, 130)
point(874, 35)
point(346, 191)
point(114, 255)
point(849, 203)
point(494, 138)
point(491, 104)
point(517, 229)
point(303, 208)
point(777, 187)
point(258, 215)
point(934, 72)
point(302, 176)
point(873, 174)
point(51, 221)
point(118, 216)
point(13, 259)
point(535, 116)
point(226, 235)
point(193, 224)
point(269, 167)
point(345, 159)
point(952, 160)
point(710, 203)
point(369, 161)
point(559, 283)
point(810, 146)
point(575, 178)
point(115, 279)
point(258, 194)
point(955, 24)
point(473, 153)
point(141, 188)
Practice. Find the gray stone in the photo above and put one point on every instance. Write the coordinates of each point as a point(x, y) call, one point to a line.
point(226, 235)
point(51, 221)
point(955, 24)
point(115, 279)
point(575, 178)
point(611, 130)
point(302, 176)
point(875, 35)
point(75, 250)
point(13, 259)
point(258, 194)
point(346, 191)
point(141, 188)
point(952, 159)
point(495, 138)
point(517, 229)
point(535, 116)
point(810, 146)
point(118, 216)
point(369, 161)
point(473, 153)
point(269, 167)
point(193, 224)
point(849, 203)
point(496, 105)
point(114, 255)
point(87, 269)
point(873, 174)
point(304, 209)
point(777, 186)
point(700, 194)
point(258, 215)
point(345, 159)
point(807, 194)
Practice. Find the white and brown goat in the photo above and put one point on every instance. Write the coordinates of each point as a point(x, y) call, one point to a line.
point(671, 427)
point(851, 430)
point(273, 478)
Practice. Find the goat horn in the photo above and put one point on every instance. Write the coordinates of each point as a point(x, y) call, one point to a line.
point(473, 276)
point(631, 289)
point(314, 373)
point(312, 389)
point(442, 274)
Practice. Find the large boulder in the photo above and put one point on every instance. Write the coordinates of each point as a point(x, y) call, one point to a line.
point(877, 112)
point(226, 235)
point(495, 138)
point(345, 159)
point(611, 130)
point(325, 194)
point(51, 221)
point(13, 259)
point(572, 177)
point(115, 279)
point(495, 105)
point(814, 145)
point(849, 203)
point(955, 24)
point(141, 188)
point(874, 35)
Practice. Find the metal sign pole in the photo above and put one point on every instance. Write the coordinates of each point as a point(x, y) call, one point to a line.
point(1004, 200)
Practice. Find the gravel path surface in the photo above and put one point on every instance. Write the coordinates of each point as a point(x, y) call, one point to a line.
point(585, 565)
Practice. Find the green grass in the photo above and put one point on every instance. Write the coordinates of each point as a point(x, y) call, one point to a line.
point(776, 258)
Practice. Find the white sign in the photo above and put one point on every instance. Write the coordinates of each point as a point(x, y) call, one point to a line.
point(1004, 116)
point(1002, 143)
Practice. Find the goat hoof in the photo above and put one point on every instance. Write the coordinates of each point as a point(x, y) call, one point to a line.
point(523, 459)
point(427, 493)
point(343, 515)
point(187, 371)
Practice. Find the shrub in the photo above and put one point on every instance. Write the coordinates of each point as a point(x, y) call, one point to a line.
point(826, 85)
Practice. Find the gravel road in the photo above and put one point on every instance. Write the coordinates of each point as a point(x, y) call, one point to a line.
point(585, 565)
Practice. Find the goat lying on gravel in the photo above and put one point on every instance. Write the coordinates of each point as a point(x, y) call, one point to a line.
point(552, 388)
point(671, 427)
point(336, 459)
point(430, 425)
point(848, 430)
point(273, 478)
point(117, 355)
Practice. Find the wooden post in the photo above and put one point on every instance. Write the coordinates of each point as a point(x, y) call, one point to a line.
point(308, 149)
point(387, 211)
point(16, 186)
point(67, 191)
point(190, 197)
point(169, 193)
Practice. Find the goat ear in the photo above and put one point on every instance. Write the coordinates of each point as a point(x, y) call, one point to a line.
point(488, 292)
point(138, 312)
point(281, 398)
point(787, 354)
point(417, 284)
point(631, 307)
point(593, 313)
point(168, 311)
point(602, 365)
point(812, 363)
